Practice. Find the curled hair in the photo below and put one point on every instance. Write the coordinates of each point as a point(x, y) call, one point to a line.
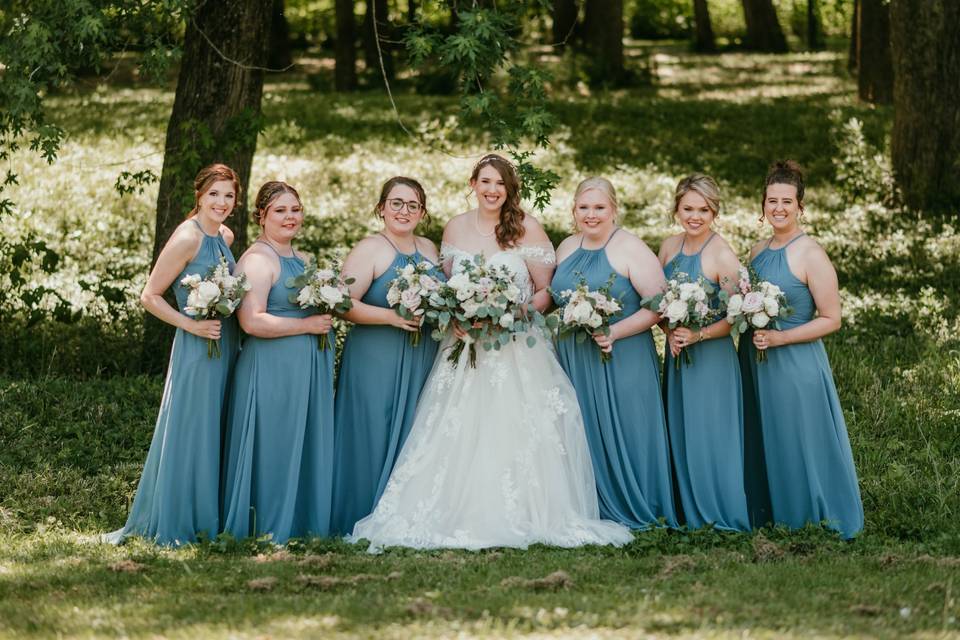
point(406, 182)
point(701, 184)
point(205, 179)
point(784, 172)
point(509, 229)
point(269, 192)
point(602, 185)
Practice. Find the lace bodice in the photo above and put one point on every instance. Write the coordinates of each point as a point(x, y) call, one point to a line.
point(515, 259)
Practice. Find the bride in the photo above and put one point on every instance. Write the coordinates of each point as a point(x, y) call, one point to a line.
point(497, 455)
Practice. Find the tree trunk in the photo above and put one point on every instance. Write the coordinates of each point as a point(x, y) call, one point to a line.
point(370, 51)
point(411, 11)
point(280, 56)
point(345, 53)
point(703, 40)
point(763, 27)
point(925, 43)
point(875, 67)
point(215, 118)
point(603, 37)
point(814, 35)
point(564, 21)
point(854, 37)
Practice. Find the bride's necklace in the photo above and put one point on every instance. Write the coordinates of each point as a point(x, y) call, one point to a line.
point(476, 224)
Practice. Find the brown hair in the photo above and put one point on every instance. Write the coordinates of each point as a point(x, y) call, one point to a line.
point(407, 182)
point(205, 179)
point(509, 229)
point(269, 192)
point(701, 184)
point(784, 172)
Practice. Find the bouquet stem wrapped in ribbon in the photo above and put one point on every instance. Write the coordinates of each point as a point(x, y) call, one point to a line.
point(756, 303)
point(215, 296)
point(321, 287)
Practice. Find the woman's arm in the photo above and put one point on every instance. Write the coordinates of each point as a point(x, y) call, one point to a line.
point(646, 276)
point(361, 265)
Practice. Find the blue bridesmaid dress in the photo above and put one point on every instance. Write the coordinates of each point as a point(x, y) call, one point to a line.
point(381, 376)
point(620, 402)
point(278, 467)
point(799, 464)
point(704, 408)
point(179, 490)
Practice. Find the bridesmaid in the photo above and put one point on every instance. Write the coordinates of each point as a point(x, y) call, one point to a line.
point(800, 454)
point(278, 471)
point(381, 373)
point(178, 496)
point(620, 400)
point(703, 401)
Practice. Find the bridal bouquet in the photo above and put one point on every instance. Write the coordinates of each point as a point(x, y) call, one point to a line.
point(321, 287)
point(587, 312)
point(216, 296)
point(756, 303)
point(485, 301)
point(410, 292)
point(685, 303)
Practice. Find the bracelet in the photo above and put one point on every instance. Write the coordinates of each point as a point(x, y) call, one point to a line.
point(700, 335)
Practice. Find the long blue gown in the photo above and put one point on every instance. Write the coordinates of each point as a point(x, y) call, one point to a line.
point(799, 465)
point(704, 406)
point(278, 466)
point(620, 403)
point(178, 495)
point(381, 376)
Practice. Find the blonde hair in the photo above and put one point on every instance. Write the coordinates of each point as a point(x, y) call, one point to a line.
point(701, 184)
point(602, 185)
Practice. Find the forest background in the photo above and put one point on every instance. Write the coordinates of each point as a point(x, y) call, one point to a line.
point(108, 109)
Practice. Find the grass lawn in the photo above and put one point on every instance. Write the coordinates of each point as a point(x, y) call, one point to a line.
point(76, 418)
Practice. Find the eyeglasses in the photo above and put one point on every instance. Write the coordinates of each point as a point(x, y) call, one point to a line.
point(396, 205)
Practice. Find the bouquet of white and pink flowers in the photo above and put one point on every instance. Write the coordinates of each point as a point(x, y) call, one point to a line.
point(587, 312)
point(410, 292)
point(323, 288)
point(216, 296)
point(685, 303)
point(486, 302)
point(756, 303)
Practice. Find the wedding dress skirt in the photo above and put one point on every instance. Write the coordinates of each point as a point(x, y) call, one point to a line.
point(496, 457)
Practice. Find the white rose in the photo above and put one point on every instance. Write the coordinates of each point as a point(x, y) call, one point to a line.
point(676, 311)
point(512, 292)
point(393, 296)
point(734, 304)
point(191, 281)
point(688, 290)
point(207, 293)
point(192, 303)
point(582, 312)
point(760, 320)
point(410, 299)
point(331, 295)
point(772, 307)
point(429, 284)
point(506, 321)
point(752, 302)
point(470, 308)
point(228, 281)
point(407, 271)
point(595, 320)
point(702, 309)
point(699, 294)
point(305, 296)
point(568, 314)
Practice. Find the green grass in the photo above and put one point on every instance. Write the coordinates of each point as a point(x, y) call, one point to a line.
point(76, 419)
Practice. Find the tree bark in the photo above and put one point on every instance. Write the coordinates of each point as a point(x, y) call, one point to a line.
point(703, 39)
point(215, 118)
point(814, 34)
point(763, 28)
point(603, 37)
point(371, 54)
point(854, 37)
point(925, 44)
point(874, 64)
point(345, 53)
point(280, 56)
point(411, 11)
point(564, 21)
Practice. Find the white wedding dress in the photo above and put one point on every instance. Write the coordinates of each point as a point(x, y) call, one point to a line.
point(497, 455)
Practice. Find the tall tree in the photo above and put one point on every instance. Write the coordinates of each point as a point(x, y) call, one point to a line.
point(215, 118)
point(345, 53)
point(703, 39)
point(763, 27)
point(564, 20)
point(925, 44)
point(280, 56)
point(874, 63)
point(603, 37)
point(372, 53)
point(854, 37)
point(814, 32)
